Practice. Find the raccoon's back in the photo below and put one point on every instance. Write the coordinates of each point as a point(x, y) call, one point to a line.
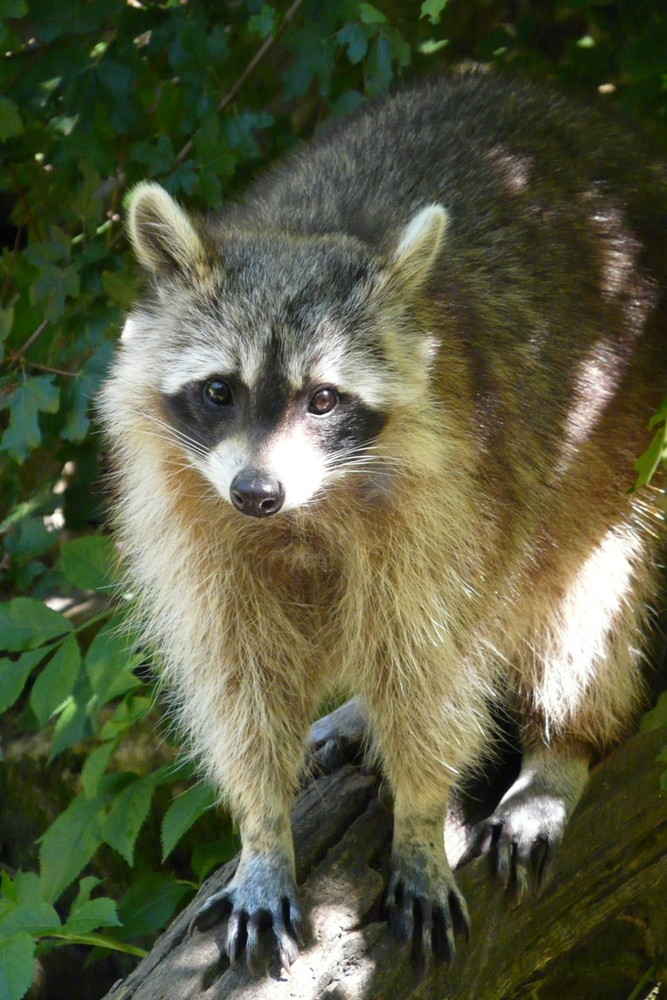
point(490, 149)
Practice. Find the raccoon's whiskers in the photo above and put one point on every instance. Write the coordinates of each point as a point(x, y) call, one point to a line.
point(180, 436)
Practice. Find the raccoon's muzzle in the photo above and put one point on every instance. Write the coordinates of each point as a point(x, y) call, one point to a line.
point(256, 493)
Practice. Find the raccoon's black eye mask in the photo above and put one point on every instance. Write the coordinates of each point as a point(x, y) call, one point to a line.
point(217, 392)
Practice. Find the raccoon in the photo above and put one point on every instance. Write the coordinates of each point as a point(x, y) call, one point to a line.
point(373, 430)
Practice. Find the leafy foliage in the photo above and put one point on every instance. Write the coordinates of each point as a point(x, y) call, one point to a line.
point(199, 96)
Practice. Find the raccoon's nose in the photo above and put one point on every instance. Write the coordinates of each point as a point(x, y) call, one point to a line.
point(256, 493)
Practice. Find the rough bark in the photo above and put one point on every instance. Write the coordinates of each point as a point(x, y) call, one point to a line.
point(612, 867)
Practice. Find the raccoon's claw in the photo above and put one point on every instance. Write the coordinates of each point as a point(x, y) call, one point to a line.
point(255, 927)
point(426, 910)
point(523, 841)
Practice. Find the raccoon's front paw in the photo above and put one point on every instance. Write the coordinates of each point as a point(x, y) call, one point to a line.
point(523, 836)
point(262, 912)
point(424, 905)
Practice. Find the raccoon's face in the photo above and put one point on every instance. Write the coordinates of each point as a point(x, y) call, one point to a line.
point(270, 356)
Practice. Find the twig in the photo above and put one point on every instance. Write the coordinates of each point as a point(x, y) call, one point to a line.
point(18, 355)
point(53, 371)
point(247, 72)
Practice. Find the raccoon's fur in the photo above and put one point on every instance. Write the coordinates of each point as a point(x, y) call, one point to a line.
point(422, 355)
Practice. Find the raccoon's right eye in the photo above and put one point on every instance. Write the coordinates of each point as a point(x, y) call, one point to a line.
point(323, 401)
point(217, 392)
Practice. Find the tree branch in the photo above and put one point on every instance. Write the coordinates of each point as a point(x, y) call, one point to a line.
point(613, 857)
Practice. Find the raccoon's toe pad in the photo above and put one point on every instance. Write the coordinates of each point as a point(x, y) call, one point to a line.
point(255, 929)
point(426, 910)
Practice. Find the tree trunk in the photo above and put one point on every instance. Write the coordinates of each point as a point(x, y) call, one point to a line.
point(598, 930)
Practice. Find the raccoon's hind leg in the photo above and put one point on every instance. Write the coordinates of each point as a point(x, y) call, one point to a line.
point(339, 736)
point(578, 690)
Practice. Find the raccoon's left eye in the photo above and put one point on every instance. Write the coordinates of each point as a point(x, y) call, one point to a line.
point(323, 401)
point(217, 392)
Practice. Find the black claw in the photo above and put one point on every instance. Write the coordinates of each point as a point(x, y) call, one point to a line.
point(254, 933)
point(546, 865)
point(403, 923)
point(460, 918)
point(215, 910)
point(428, 924)
point(422, 937)
point(287, 948)
point(439, 938)
point(236, 937)
point(253, 947)
point(504, 860)
point(293, 921)
point(483, 836)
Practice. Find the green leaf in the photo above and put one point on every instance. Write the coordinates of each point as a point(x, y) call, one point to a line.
point(29, 399)
point(57, 278)
point(28, 888)
point(432, 9)
point(86, 886)
point(432, 45)
point(90, 915)
point(355, 40)
point(646, 464)
point(56, 681)
point(109, 663)
point(657, 717)
point(14, 674)
point(75, 721)
point(264, 23)
point(102, 941)
point(10, 120)
point(149, 904)
point(128, 814)
point(121, 287)
point(183, 813)
point(86, 562)
point(13, 8)
point(380, 71)
point(69, 844)
point(95, 766)
point(210, 854)
point(26, 623)
point(371, 15)
point(30, 538)
point(133, 708)
point(17, 966)
point(33, 918)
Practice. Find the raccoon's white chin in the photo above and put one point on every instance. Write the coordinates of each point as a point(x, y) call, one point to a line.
point(287, 455)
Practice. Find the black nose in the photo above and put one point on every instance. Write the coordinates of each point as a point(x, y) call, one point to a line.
point(256, 493)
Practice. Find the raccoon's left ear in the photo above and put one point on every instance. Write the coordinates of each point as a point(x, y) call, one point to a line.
point(414, 255)
point(163, 238)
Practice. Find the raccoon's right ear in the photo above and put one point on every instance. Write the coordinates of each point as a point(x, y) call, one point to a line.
point(163, 238)
point(418, 246)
